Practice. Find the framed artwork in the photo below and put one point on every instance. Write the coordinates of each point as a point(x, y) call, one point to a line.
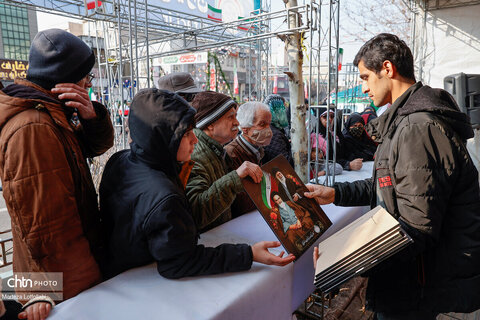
point(296, 220)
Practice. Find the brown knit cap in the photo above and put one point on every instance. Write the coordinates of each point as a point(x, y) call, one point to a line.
point(211, 106)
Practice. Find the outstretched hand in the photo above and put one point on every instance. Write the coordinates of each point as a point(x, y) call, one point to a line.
point(75, 97)
point(321, 194)
point(262, 255)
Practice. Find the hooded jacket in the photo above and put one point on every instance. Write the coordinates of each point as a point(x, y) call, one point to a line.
point(143, 202)
point(424, 177)
point(47, 184)
point(362, 147)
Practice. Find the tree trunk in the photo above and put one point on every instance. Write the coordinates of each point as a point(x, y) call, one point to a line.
point(297, 101)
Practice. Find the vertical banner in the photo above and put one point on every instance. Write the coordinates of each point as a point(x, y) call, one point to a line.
point(275, 84)
point(257, 5)
point(340, 58)
point(305, 89)
point(212, 76)
point(235, 78)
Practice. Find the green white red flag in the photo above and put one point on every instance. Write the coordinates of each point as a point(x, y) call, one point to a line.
point(214, 13)
point(268, 185)
point(340, 58)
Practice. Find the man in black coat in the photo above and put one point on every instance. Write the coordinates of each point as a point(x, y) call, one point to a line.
point(143, 202)
point(424, 177)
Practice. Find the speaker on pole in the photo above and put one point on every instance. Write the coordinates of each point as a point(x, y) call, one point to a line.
point(465, 88)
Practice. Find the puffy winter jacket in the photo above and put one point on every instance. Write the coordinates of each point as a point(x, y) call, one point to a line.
point(424, 176)
point(47, 184)
point(212, 185)
point(143, 202)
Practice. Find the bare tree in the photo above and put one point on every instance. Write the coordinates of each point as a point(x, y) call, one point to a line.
point(363, 19)
point(298, 109)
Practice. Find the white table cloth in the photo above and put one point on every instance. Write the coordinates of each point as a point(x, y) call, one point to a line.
point(348, 176)
point(263, 292)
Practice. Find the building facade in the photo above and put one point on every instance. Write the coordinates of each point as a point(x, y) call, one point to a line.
point(18, 27)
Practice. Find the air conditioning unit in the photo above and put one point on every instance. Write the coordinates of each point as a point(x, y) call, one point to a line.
point(465, 88)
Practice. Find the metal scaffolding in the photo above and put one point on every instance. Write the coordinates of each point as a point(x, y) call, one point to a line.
point(129, 34)
point(326, 83)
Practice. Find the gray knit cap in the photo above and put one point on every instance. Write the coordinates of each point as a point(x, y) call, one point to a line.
point(57, 56)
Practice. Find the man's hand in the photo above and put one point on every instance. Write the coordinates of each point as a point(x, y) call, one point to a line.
point(356, 164)
point(262, 255)
point(296, 196)
point(321, 194)
point(315, 257)
point(250, 169)
point(76, 97)
point(36, 311)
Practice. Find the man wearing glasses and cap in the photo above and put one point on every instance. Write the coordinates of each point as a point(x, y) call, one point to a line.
point(181, 83)
point(47, 183)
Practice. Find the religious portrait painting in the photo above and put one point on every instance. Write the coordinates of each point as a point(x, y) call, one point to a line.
point(296, 220)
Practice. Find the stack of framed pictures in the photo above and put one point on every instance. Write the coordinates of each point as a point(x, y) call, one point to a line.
point(364, 243)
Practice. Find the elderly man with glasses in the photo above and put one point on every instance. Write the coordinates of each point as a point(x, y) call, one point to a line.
point(47, 184)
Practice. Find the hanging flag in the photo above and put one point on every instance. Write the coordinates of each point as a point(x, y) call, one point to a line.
point(212, 76)
point(275, 84)
point(305, 89)
point(235, 78)
point(268, 185)
point(247, 24)
point(340, 58)
point(91, 4)
point(214, 13)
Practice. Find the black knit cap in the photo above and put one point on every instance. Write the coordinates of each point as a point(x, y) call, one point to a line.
point(57, 56)
point(211, 106)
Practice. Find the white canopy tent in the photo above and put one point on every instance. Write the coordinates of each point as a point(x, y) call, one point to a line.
point(446, 40)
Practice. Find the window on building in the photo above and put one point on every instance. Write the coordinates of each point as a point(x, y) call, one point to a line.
point(15, 33)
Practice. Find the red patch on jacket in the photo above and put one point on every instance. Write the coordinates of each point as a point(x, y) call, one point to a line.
point(385, 182)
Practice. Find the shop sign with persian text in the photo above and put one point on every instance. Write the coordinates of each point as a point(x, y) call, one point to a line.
point(11, 69)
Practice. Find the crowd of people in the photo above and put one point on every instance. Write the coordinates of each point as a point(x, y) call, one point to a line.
point(181, 176)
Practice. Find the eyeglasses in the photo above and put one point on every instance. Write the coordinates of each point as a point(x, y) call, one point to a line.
point(90, 77)
point(187, 96)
